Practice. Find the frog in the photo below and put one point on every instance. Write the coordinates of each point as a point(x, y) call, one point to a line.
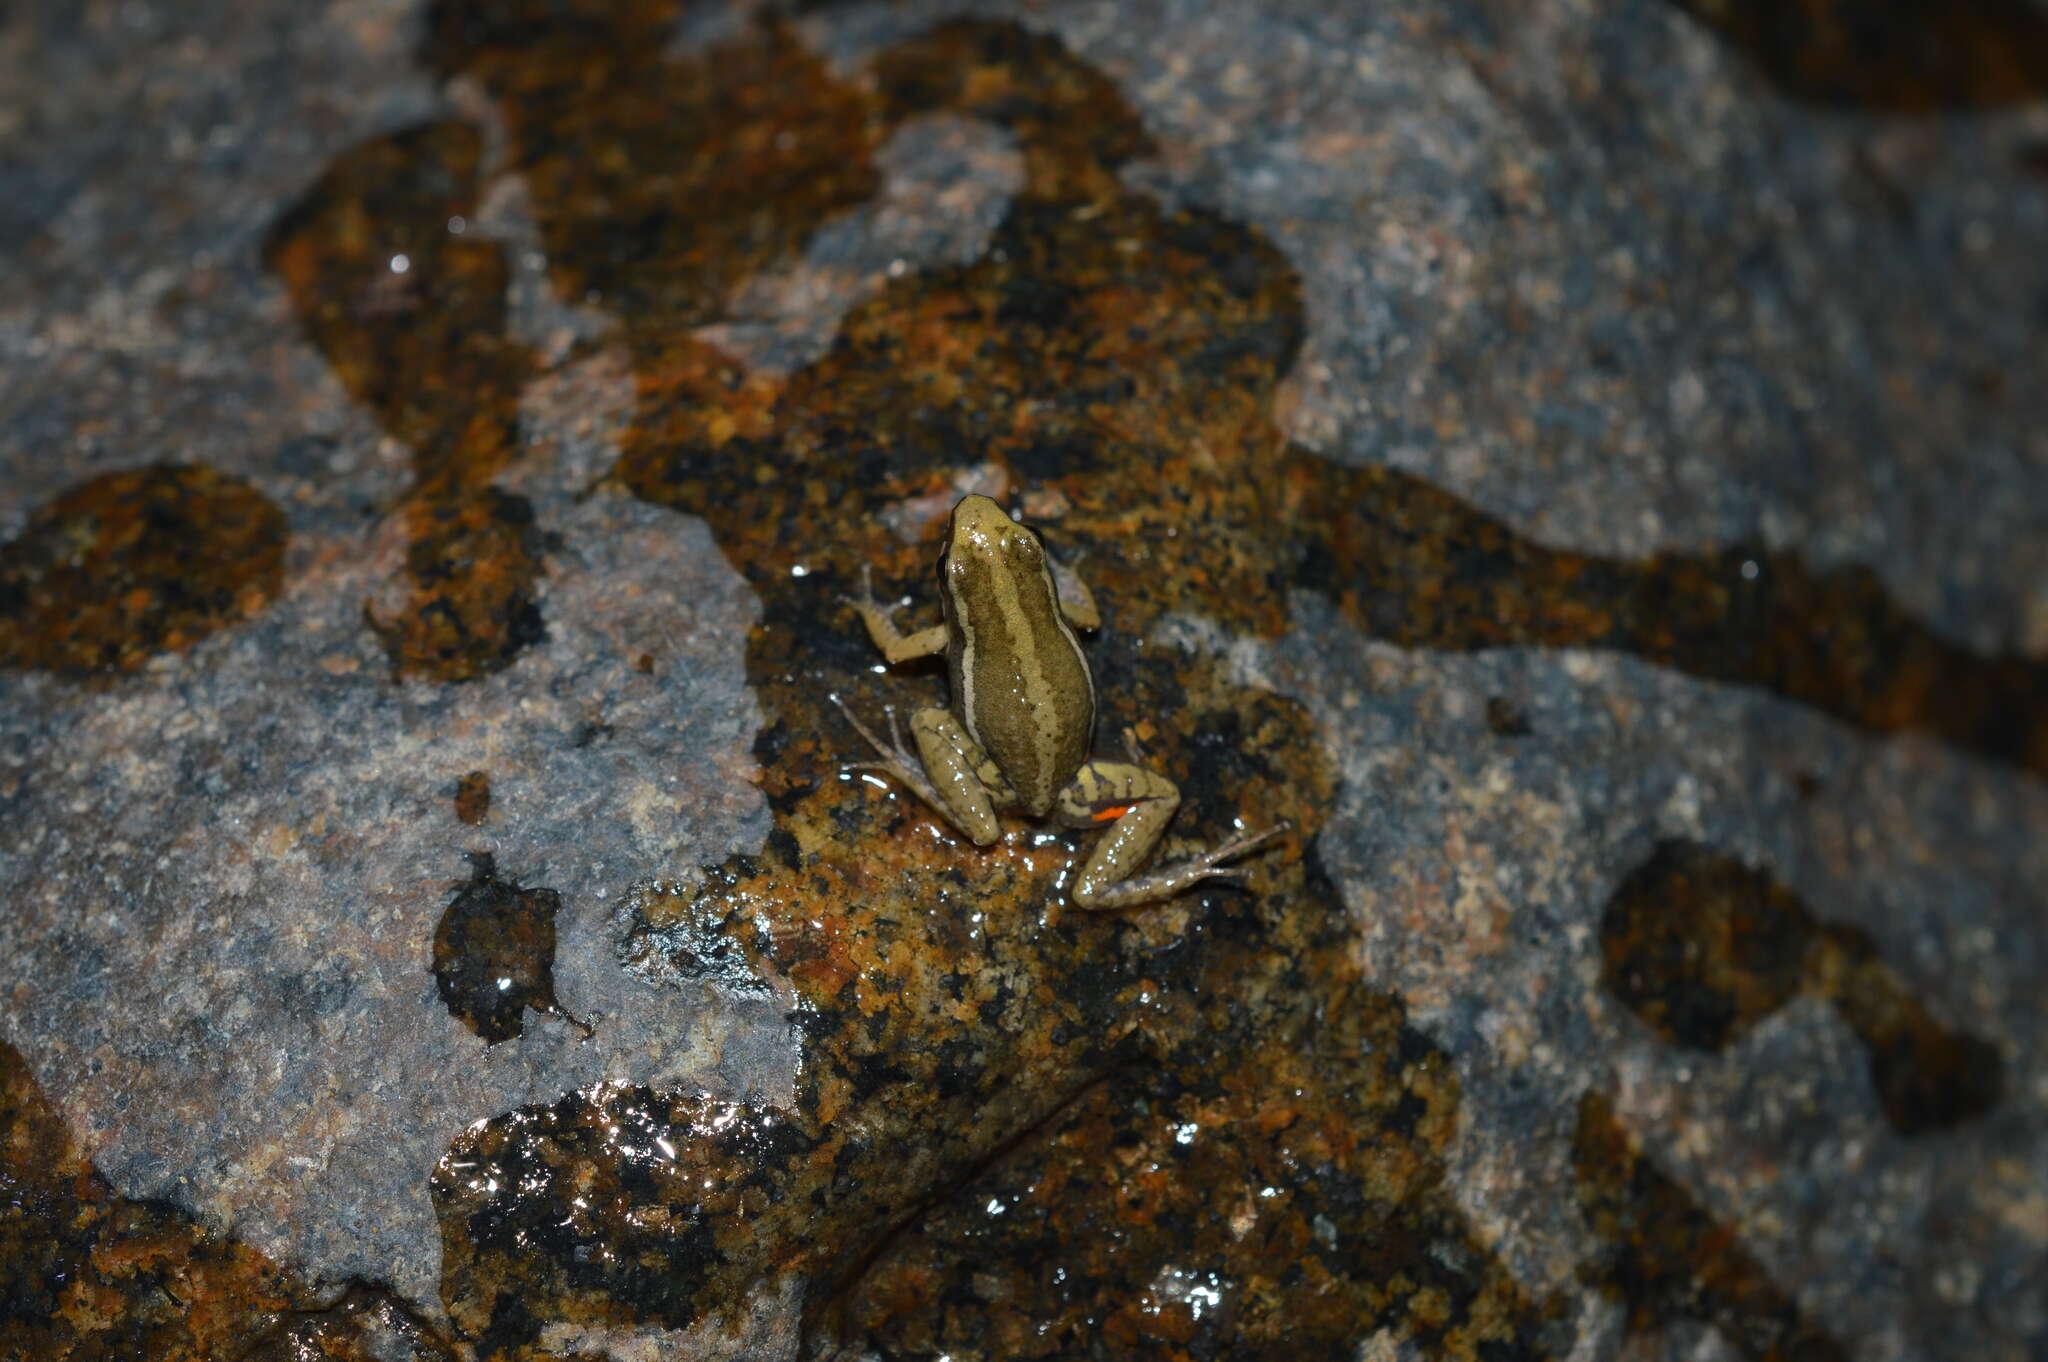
point(1020, 726)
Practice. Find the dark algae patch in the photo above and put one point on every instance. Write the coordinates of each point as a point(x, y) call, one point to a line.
point(1663, 1256)
point(1019, 1129)
point(1702, 947)
point(1250, 1201)
point(408, 307)
point(87, 1274)
point(130, 565)
point(1416, 566)
point(1897, 56)
point(1506, 718)
point(473, 798)
point(494, 953)
point(660, 180)
point(362, 1324)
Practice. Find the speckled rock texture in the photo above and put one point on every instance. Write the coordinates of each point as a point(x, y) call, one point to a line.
point(1585, 466)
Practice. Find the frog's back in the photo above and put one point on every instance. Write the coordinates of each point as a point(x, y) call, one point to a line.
point(1020, 680)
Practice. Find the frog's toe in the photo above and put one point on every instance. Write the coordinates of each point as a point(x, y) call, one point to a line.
point(883, 749)
point(1217, 857)
point(892, 758)
point(1133, 747)
point(862, 600)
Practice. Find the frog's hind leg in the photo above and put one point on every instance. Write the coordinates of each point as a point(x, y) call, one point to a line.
point(1137, 804)
point(950, 772)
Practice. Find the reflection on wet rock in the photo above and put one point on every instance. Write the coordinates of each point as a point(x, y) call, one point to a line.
point(621, 1206)
point(363, 1324)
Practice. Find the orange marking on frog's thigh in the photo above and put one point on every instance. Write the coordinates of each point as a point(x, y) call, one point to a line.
point(1111, 815)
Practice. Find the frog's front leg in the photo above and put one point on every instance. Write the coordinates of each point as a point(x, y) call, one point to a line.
point(896, 645)
point(951, 773)
point(1137, 804)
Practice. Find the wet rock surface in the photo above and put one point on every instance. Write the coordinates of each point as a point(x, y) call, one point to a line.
point(1580, 467)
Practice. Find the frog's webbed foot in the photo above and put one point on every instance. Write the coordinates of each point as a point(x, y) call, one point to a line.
point(1170, 880)
point(893, 758)
point(949, 772)
point(1213, 863)
point(1133, 806)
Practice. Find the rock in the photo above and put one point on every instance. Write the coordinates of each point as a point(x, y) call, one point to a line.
point(1580, 466)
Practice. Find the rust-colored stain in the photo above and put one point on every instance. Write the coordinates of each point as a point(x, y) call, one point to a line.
point(494, 953)
point(660, 181)
point(473, 798)
point(1663, 1256)
point(1702, 947)
point(130, 565)
point(86, 1274)
point(1896, 56)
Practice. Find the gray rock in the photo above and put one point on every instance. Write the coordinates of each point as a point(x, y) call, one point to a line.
point(1583, 266)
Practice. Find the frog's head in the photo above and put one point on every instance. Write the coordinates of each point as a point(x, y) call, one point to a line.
point(988, 558)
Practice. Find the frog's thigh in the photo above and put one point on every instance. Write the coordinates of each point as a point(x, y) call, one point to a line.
point(967, 782)
point(1134, 803)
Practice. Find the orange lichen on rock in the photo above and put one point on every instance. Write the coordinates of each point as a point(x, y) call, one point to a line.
point(128, 566)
